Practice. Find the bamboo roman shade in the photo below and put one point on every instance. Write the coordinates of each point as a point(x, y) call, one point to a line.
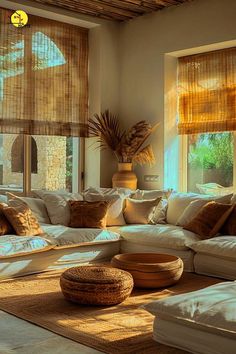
point(207, 92)
point(43, 77)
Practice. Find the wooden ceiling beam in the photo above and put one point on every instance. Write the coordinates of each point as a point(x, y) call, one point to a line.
point(119, 10)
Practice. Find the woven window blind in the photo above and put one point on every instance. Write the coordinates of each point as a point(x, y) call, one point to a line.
point(207, 92)
point(43, 77)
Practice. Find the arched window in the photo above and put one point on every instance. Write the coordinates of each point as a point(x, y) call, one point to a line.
point(17, 155)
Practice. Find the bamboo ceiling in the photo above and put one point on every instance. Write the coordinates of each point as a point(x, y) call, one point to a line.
point(118, 10)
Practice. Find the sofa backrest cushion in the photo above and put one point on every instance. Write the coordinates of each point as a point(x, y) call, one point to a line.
point(141, 194)
point(178, 202)
point(36, 205)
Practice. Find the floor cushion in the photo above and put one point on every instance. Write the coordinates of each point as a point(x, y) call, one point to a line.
point(211, 309)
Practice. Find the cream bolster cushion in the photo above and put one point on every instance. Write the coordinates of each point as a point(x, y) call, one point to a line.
point(212, 307)
point(140, 211)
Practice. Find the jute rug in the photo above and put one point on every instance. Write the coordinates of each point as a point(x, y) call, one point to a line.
point(117, 329)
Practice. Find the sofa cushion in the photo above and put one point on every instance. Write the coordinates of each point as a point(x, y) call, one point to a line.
point(140, 211)
point(22, 219)
point(13, 245)
point(71, 237)
point(36, 205)
point(150, 194)
point(115, 209)
point(106, 191)
point(210, 219)
point(221, 246)
point(5, 226)
point(164, 236)
point(212, 307)
point(178, 202)
point(88, 214)
point(58, 207)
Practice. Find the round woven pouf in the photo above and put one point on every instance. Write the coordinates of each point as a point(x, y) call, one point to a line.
point(150, 270)
point(92, 285)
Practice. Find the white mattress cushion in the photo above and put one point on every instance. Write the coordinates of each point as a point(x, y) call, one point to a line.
point(166, 236)
point(13, 245)
point(212, 307)
point(71, 237)
point(221, 246)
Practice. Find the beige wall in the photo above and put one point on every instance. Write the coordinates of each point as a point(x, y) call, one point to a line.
point(127, 67)
point(143, 44)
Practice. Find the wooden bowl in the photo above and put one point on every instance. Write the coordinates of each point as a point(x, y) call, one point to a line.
point(150, 270)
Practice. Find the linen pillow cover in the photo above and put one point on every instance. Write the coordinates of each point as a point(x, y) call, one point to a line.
point(140, 211)
point(210, 219)
point(88, 214)
point(23, 220)
point(115, 210)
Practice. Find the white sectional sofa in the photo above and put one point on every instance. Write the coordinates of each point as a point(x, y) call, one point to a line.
point(62, 246)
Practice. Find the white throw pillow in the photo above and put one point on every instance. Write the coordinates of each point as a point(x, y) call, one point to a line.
point(195, 206)
point(36, 205)
point(107, 191)
point(58, 208)
point(115, 210)
point(141, 194)
point(159, 216)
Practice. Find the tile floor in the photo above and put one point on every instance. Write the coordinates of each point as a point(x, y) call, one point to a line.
point(20, 337)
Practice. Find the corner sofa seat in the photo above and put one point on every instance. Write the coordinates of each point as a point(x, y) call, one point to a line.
point(162, 238)
point(216, 257)
point(59, 247)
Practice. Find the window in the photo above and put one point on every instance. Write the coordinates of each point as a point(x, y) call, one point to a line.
point(43, 103)
point(210, 162)
point(17, 155)
point(207, 120)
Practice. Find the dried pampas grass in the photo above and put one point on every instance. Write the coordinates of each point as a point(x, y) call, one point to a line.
point(126, 146)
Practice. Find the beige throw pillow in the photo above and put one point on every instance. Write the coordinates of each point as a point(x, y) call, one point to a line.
point(140, 211)
point(115, 209)
point(23, 220)
point(208, 222)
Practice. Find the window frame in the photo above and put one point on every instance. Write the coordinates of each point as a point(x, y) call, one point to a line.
point(76, 187)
